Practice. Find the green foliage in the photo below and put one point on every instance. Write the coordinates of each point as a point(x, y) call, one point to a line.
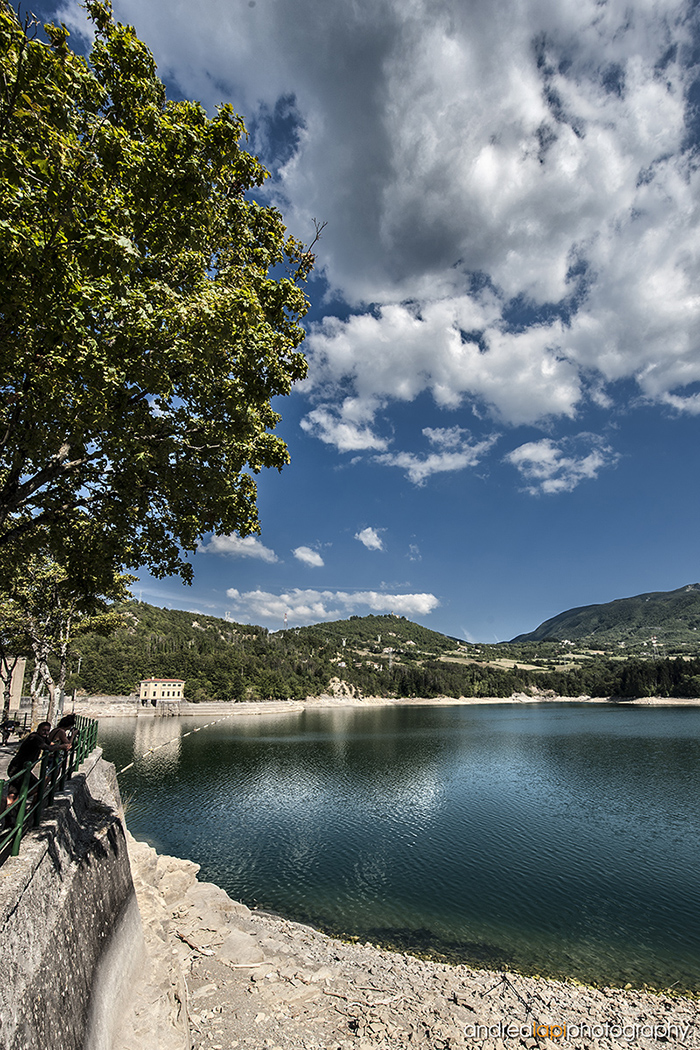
point(47, 609)
point(219, 660)
point(149, 306)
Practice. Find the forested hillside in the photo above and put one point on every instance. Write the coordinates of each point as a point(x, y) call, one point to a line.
point(671, 618)
point(365, 656)
point(230, 661)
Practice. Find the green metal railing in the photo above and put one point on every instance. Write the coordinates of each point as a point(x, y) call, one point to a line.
point(56, 767)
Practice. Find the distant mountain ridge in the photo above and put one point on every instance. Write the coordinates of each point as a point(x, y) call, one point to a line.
point(669, 617)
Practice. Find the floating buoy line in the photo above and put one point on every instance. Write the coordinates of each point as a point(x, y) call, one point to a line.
point(152, 750)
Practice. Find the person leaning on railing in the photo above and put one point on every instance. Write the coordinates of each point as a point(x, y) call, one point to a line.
point(30, 749)
point(64, 732)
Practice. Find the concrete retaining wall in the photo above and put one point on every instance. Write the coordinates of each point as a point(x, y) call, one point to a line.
point(71, 940)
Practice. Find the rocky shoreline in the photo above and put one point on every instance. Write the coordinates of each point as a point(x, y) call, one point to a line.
point(222, 977)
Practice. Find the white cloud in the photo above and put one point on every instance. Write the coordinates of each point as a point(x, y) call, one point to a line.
point(456, 451)
point(335, 425)
point(310, 606)
point(446, 437)
point(370, 538)
point(308, 556)
point(549, 469)
point(239, 547)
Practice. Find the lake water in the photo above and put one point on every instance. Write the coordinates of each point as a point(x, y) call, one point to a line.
point(559, 839)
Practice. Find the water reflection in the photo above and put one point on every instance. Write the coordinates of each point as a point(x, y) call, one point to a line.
point(158, 742)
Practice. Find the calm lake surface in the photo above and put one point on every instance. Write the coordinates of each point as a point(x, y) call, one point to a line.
point(554, 838)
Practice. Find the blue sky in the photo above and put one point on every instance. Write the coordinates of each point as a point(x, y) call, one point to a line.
point(500, 420)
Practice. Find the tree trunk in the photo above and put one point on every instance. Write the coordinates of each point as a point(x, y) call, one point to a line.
point(6, 671)
point(41, 648)
point(63, 674)
point(35, 690)
point(51, 686)
point(6, 696)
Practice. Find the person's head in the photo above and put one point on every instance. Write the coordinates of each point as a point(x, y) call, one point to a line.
point(67, 722)
point(44, 728)
point(12, 794)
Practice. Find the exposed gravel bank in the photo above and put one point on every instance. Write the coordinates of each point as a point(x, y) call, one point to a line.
point(221, 977)
point(96, 707)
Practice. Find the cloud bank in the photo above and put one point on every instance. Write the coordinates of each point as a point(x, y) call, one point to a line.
point(310, 606)
point(511, 193)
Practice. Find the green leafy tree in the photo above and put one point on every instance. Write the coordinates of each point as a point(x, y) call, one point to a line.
point(149, 306)
point(52, 609)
